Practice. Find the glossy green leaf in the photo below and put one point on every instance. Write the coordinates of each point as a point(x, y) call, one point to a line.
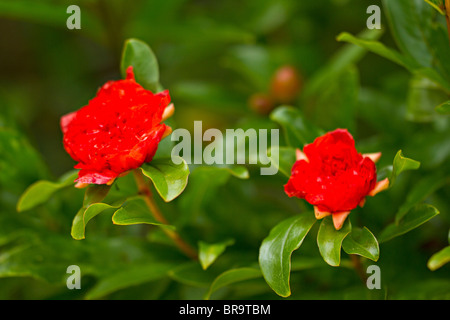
point(41, 191)
point(232, 276)
point(209, 252)
point(410, 25)
point(135, 211)
point(443, 108)
point(362, 242)
point(276, 250)
point(330, 240)
point(297, 129)
point(85, 214)
point(439, 259)
point(285, 157)
point(128, 277)
point(413, 219)
point(401, 164)
point(138, 54)
point(169, 178)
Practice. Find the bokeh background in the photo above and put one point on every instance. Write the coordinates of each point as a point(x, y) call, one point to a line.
point(213, 57)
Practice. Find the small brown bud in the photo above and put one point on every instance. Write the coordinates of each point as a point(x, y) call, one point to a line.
point(286, 84)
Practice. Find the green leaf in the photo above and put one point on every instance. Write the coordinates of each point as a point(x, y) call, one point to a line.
point(285, 158)
point(337, 104)
point(401, 164)
point(276, 250)
point(410, 25)
point(439, 259)
point(437, 4)
point(41, 191)
point(420, 191)
point(192, 274)
point(85, 214)
point(443, 108)
point(413, 219)
point(128, 277)
point(209, 252)
point(232, 276)
point(169, 178)
point(203, 183)
point(138, 54)
point(330, 240)
point(95, 193)
point(135, 211)
point(423, 97)
point(298, 130)
point(393, 55)
point(380, 49)
point(362, 242)
point(346, 56)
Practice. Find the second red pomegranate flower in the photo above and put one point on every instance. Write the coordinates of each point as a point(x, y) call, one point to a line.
point(331, 175)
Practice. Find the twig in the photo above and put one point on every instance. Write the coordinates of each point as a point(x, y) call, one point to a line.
point(145, 191)
point(356, 262)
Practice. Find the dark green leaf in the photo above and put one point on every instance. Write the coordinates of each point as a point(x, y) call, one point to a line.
point(362, 242)
point(285, 158)
point(297, 129)
point(413, 219)
point(337, 104)
point(330, 240)
point(276, 250)
point(410, 25)
point(95, 193)
point(138, 54)
point(169, 178)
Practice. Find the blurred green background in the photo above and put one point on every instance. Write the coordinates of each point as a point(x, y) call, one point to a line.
point(213, 56)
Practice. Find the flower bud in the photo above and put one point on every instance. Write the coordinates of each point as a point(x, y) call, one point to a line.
point(286, 84)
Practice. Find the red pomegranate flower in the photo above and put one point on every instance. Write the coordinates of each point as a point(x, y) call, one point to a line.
point(117, 131)
point(331, 175)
